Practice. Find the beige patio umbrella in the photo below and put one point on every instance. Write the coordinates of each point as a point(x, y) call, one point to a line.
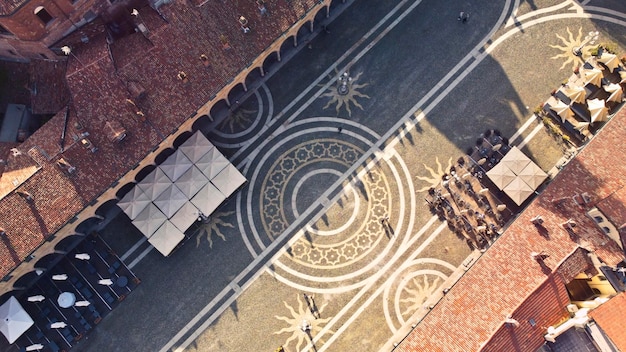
point(515, 160)
point(518, 190)
point(576, 93)
point(622, 75)
point(599, 111)
point(500, 175)
point(610, 60)
point(533, 175)
point(562, 110)
point(593, 76)
point(616, 92)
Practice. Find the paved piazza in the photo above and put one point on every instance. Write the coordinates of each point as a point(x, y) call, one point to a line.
point(324, 169)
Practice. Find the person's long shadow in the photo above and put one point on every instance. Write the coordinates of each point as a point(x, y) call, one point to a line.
point(389, 231)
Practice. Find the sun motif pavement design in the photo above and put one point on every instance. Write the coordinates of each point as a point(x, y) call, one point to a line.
point(568, 46)
point(350, 98)
point(213, 227)
point(435, 175)
point(298, 338)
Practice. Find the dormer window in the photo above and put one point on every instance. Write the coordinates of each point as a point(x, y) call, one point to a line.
point(43, 15)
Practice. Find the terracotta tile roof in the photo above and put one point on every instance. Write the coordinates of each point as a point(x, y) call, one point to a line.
point(48, 90)
point(610, 318)
point(100, 79)
point(8, 6)
point(16, 90)
point(473, 311)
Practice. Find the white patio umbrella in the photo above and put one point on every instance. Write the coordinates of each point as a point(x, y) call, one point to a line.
point(149, 220)
point(518, 191)
point(562, 110)
point(576, 93)
point(35, 347)
point(617, 94)
point(599, 111)
point(175, 165)
point(228, 180)
point(533, 175)
point(500, 175)
point(82, 256)
point(191, 182)
point(82, 303)
point(212, 163)
point(155, 183)
point(14, 321)
point(170, 200)
point(134, 202)
point(166, 238)
point(196, 146)
point(610, 60)
point(37, 298)
point(59, 277)
point(515, 160)
point(593, 76)
point(58, 325)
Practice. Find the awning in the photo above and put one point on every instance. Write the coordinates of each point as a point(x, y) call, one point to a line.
point(228, 180)
point(149, 220)
point(191, 182)
point(518, 190)
point(515, 160)
point(175, 165)
point(208, 199)
point(154, 184)
point(533, 176)
point(166, 238)
point(196, 146)
point(14, 321)
point(501, 175)
point(170, 200)
point(212, 163)
point(134, 202)
point(599, 111)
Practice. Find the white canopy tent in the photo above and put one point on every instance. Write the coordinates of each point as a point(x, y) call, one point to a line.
point(175, 165)
point(228, 180)
point(609, 60)
point(576, 93)
point(170, 200)
point(196, 146)
point(208, 199)
point(562, 110)
point(191, 182)
point(616, 91)
point(149, 220)
point(185, 216)
point(515, 160)
point(14, 321)
point(166, 238)
point(501, 175)
point(134, 202)
point(154, 184)
point(212, 163)
point(599, 111)
point(533, 176)
point(518, 190)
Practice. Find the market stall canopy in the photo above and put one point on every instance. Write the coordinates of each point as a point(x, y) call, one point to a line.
point(208, 199)
point(609, 60)
point(14, 321)
point(518, 190)
point(212, 163)
point(533, 176)
point(501, 175)
point(154, 184)
point(562, 110)
point(616, 92)
point(134, 202)
point(170, 200)
point(515, 160)
point(185, 216)
point(196, 146)
point(228, 180)
point(176, 165)
point(599, 111)
point(576, 93)
point(592, 76)
point(166, 238)
point(191, 182)
point(149, 220)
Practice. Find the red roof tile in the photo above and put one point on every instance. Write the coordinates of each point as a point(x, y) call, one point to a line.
point(8, 6)
point(48, 90)
point(610, 317)
point(473, 311)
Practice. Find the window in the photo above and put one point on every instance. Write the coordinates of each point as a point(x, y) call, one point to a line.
point(43, 15)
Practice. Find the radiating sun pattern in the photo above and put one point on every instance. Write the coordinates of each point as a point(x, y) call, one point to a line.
point(435, 176)
point(213, 226)
point(416, 292)
point(294, 323)
point(568, 48)
point(340, 100)
point(238, 119)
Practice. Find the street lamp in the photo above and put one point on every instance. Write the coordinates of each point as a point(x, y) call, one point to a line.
point(589, 39)
point(343, 83)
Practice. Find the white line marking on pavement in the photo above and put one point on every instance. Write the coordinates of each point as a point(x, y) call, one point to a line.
point(530, 136)
point(537, 13)
point(133, 248)
point(140, 257)
point(521, 130)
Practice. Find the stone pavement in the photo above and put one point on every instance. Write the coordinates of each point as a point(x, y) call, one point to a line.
point(324, 169)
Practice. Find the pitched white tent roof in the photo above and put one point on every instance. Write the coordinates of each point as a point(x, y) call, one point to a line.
point(212, 163)
point(533, 176)
point(149, 220)
point(515, 160)
point(208, 199)
point(154, 184)
point(518, 190)
point(228, 180)
point(562, 110)
point(166, 238)
point(599, 111)
point(170, 200)
point(610, 60)
point(175, 165)
point(576, 93)
point(196, 146)
point(191, 181)
point(617, 94)
point(501, 175)
point(593, 76)
point(185, 216)
point(134, 202)
point(14, 321)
